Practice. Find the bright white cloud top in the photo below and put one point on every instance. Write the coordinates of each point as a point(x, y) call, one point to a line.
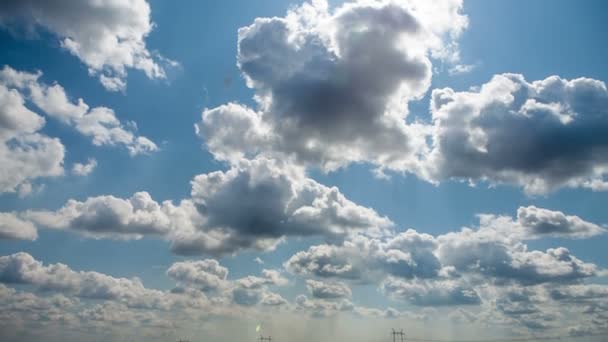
point(107, 36)
point(28, 154)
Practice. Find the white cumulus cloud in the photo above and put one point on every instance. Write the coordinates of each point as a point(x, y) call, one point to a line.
point(107, 36)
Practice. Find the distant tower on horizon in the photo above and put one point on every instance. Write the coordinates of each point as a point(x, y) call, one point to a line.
point(398, 333)
point(265, 339)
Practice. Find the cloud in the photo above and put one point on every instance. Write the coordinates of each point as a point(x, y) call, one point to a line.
point(273, 299)
point(469, 252)
point(253, 290)
point(322, 308)
point(455, 268)
point(22, 310)
point(25, 154)
point(254, 205)
point(108, 217)
point(431, 293)
point(100, 124)
point(208, 274)
point(332, 86)
point(81, 169)
point(591, 293)
point(543, 222)
point(408, 254)
point(542, 135)
point(257, 203)
point(22, 268)
point(212, 278)
point(14, 228)
point(108, 37)
point(461, 69)
point(532, 223)
point(326, 290)
point(61, 297)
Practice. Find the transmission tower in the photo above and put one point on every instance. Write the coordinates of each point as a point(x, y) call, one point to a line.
point(265, 339)
point(400, 333)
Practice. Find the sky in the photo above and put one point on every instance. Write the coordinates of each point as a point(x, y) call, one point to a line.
point(217, 171)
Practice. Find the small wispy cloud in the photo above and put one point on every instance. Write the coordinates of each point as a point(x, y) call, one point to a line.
point(84, 169)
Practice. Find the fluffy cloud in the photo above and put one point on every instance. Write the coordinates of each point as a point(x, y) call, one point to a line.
point(58, 296)
point(332, 86)
point(212, 278)
point(496, 248)
point(98, 123)
point(255, 205)
point(541, 135)
point(208, 275)
point(542, 222)
point(431, 293)
point(252, 290)
point(273, 299)
point(258, 202)
point(452, 268)
point(326, 290)
point(407, 255)
point(23, 310)
point(81, 169)
point(22, 268)
point(25, 154)
point(592, 293)
point(108, 216)
point(506, 263)
point(322, 308)
point(107, 36)
point(325, 108)
point(14, 228)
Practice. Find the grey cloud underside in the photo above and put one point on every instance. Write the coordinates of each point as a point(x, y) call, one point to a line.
point(251, 206)
point(332, 88)
point(541, 135)
point(451, 269)
point(439, 293)
point(328, 290)
point(327, 84)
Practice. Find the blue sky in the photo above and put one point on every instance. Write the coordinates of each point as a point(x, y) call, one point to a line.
point(547, 193)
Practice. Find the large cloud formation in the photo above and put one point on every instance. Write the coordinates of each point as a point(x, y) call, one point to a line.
point(22, 268)
point(446, 269)
point(332, 88)
point(332, 85)
point(59, 295)
point(25, 153)
point(253, 205)
point(107, 36)
point(541, 135)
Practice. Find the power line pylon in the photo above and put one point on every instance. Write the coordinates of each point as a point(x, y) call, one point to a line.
point(400, 333)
